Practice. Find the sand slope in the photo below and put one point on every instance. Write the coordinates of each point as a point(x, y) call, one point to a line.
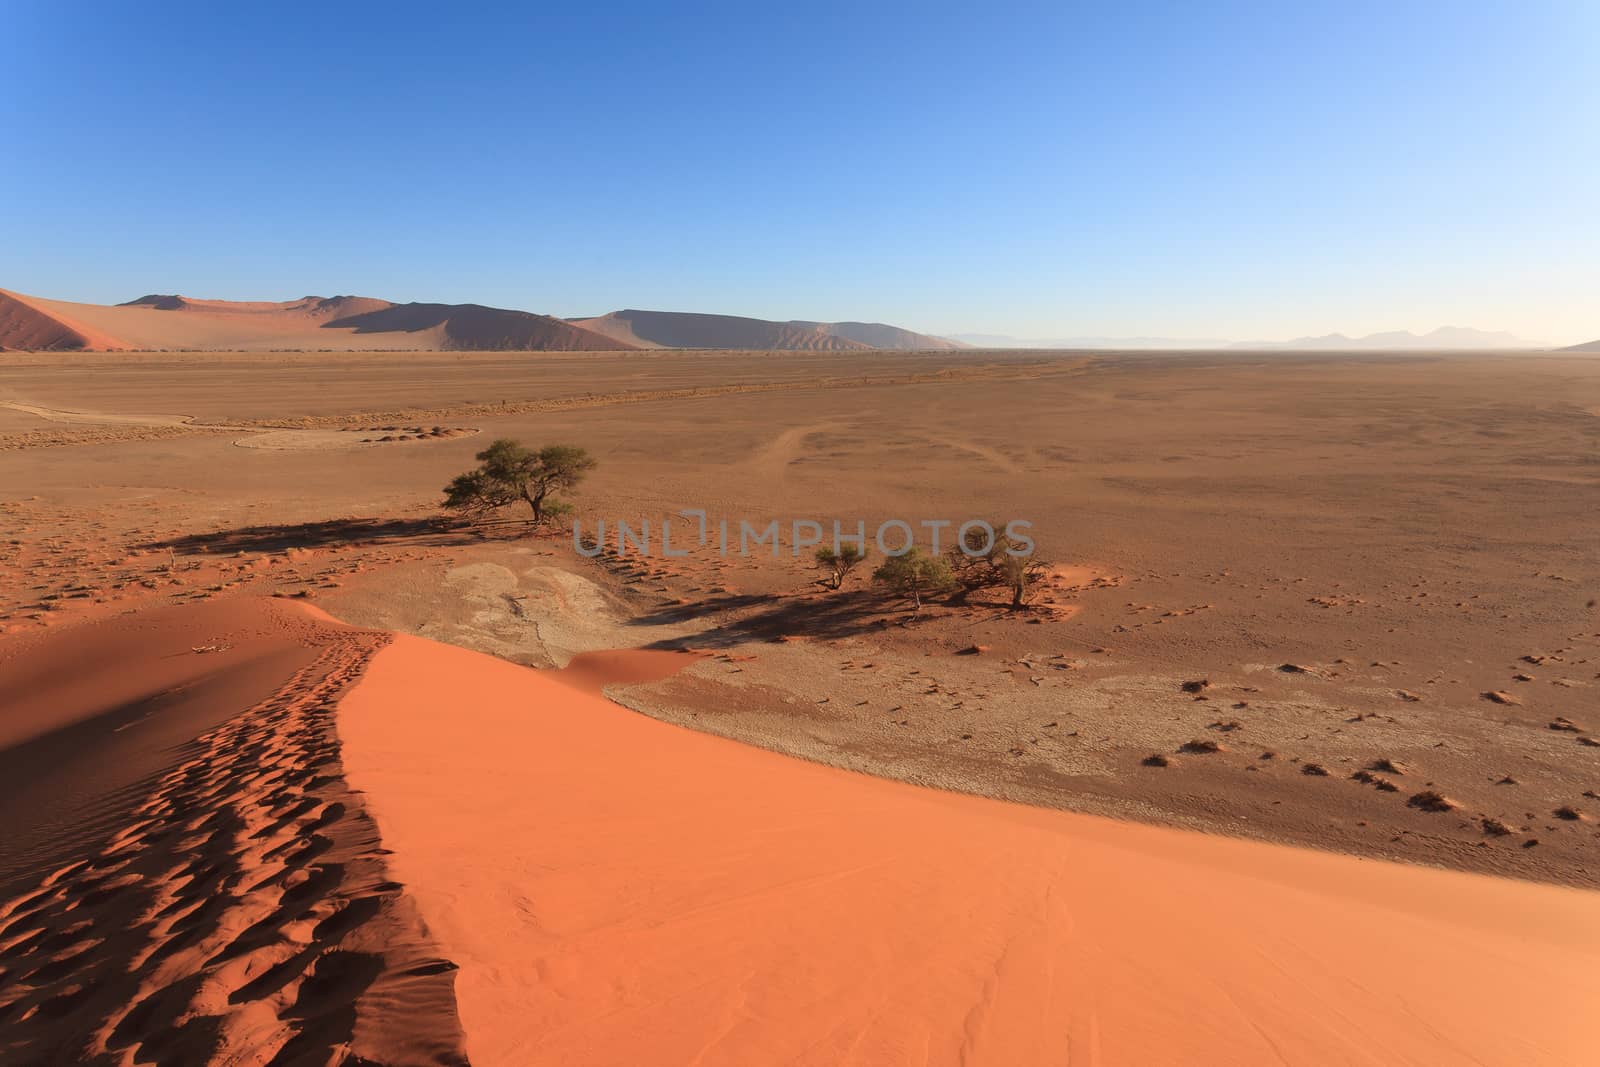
point(28, 324)
point(474, 328)
point(677, 329)
point(182, 323)
point(879, 335)
point(312, 323)
point(187, 878)
point(354, 323)
point(620, 891)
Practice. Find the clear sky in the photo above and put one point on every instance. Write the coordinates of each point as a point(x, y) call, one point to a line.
point(1210, 170)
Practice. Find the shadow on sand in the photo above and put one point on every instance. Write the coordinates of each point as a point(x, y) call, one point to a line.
point(771, 617)
point(346, 533)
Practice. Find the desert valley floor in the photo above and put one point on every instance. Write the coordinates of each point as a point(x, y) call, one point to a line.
point(1301, 740)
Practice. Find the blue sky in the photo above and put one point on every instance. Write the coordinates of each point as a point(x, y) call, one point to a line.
point(1194, 170)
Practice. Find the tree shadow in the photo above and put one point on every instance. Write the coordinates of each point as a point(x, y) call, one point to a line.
point(776, 616)
point(423, 532)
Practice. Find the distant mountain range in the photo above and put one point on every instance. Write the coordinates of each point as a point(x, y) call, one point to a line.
point(1587, 346)
point(355, 323)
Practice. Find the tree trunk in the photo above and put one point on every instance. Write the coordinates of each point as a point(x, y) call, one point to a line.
point(536, 502)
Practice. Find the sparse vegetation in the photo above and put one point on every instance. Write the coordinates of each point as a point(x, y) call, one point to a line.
point(839, 562)
point(1383, 785)
point(508, 472)
point(1431, 800)
point(981, 561)
point(915, 575)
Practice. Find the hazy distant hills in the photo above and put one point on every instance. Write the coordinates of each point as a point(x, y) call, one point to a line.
point(998, 340)
point(1587, 346)
point(355, 323)
point(678, 329)
point(1445, 337)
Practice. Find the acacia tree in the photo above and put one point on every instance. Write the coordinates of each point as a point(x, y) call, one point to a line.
point(839, 562)
point(915, 575)
point(1021, 575)
point(507, 472)
point(981, 560)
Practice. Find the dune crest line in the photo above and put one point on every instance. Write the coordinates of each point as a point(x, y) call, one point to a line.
point(244, 914)
point(618, 890)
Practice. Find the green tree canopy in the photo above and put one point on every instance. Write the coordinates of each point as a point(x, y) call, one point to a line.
point(839, 562)
point(508, 472)
point(981, 560)
point(915, 575)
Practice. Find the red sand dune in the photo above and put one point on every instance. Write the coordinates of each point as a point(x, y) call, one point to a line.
point(28, 326)
point(184, 875)
point(355, 323)
point(90, 711)
point(620, 891)
point(345, 323)
point(472, 327)
point(677, 329)
point(880, 335)
point(316, 307)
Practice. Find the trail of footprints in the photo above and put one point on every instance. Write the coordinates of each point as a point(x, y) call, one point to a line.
point(242, 916)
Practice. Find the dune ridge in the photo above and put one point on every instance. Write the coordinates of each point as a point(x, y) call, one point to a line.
point(241, 910)
point(620, 891)
point(883, 336)
point(344, 323)
point(319, 307)
point(26, 326)
point(679, 329)
point(172, 322)
point(475, 328)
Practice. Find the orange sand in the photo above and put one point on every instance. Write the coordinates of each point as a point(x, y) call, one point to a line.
point(621, 891)
point(591, 672)
point(184, 877)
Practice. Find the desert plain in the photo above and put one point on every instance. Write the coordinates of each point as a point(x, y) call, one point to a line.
point(1293, 757)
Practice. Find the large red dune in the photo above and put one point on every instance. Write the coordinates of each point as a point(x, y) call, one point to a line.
point(30, 324)
point(355, 323)
point(680, 329)
point(312, 323)
point(619, 891)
